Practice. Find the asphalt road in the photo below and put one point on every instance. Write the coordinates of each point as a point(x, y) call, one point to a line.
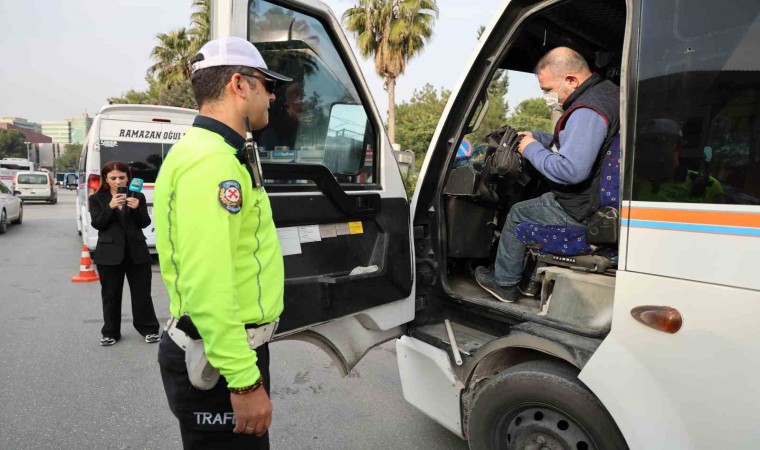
point(60, 389)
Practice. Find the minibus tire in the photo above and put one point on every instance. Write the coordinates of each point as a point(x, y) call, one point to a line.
point(3, 222)
point(540, 404)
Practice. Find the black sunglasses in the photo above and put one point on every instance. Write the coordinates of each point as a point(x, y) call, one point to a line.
point(269, 84)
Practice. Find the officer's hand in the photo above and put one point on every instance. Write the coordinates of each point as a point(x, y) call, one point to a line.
point(527, 138)
point(253, 412)
point(133, 202)
point(117, 200)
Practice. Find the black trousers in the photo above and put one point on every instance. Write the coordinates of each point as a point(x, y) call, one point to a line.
point(205, 418)
point(112, 285)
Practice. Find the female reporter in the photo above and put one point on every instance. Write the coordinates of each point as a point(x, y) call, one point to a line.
point(121, 250)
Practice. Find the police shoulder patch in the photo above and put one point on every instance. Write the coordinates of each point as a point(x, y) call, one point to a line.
point(231, 196)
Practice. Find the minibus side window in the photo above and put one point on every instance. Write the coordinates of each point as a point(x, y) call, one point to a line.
point(318, 118)
point(697, 134)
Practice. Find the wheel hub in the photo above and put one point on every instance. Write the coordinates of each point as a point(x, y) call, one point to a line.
point(538, 428)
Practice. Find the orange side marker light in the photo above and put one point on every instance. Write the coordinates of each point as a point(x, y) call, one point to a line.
point(661, 318)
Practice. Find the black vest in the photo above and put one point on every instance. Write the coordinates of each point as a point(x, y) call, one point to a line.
point(603, 96)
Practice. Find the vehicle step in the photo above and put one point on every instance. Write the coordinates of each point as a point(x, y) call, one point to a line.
point(469, 340)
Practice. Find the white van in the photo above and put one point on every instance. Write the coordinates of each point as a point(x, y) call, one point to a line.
point(649, 342)
point(138, 135)
point(9, 166)
point(36, 186)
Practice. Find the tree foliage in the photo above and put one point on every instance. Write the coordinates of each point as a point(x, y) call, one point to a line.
point(171, 57)
point(69, 161)
point(418, 118)
point(531, 114)
point(200, 28)
point(392, 32)
point(498, 107)
point(12, 144)
point(168, 77)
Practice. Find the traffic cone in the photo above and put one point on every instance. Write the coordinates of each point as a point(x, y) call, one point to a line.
point(86, 271)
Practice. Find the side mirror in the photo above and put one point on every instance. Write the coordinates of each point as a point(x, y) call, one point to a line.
point(16, 193)
point(344, 144)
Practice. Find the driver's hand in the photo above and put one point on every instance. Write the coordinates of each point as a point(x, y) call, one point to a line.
point(527, 138)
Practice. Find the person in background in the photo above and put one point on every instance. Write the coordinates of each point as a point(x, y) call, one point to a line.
point(121, 251)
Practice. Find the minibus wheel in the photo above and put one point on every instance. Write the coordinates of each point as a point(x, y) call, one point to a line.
point(537, 405)
point(3, 222)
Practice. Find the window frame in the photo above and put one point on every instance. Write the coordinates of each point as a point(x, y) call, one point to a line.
point(366, 103)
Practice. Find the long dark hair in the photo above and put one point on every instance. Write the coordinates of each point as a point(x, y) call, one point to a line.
point(110, 166)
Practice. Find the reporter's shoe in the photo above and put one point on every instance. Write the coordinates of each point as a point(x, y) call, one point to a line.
point(487, 281)
point(152, 338)
point(107, 341)
point(531, 289)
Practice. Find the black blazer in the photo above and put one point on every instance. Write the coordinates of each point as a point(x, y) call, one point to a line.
point(116, 230)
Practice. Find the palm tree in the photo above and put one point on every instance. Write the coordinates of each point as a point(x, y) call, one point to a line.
point(393, 32)
point(171, 57)
point(200, 27)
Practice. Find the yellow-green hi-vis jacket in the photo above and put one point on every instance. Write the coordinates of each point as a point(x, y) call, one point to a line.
point(220, 256)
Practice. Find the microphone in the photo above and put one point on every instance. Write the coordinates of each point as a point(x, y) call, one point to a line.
point(135, 186)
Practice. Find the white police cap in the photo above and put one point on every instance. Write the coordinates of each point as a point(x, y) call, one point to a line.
point(232, 51)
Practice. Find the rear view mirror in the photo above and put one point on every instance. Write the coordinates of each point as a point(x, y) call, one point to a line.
point(344, 144)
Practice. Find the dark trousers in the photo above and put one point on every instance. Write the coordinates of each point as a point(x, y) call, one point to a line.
point(112, 285)
point(205, 418)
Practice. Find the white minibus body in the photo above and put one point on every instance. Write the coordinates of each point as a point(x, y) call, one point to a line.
point(138, 135)
point(644, 337)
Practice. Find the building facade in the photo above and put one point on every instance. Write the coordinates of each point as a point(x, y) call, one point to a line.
point(58, 130)
point(20, 122)
point(29, 135)
point(68, 131)
point(79, 128)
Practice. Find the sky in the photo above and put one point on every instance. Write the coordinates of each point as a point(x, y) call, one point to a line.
point(60, 59)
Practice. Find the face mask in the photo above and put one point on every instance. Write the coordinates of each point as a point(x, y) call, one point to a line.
point(551, 99)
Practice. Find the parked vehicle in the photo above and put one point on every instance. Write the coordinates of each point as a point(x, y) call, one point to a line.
point(647, 342)
point(17, 164)
point(9, 167)
point(70, 180)
point(59, 179)
point(36, 186)
point(6, 177)
point(11, 208)
point(139, 135)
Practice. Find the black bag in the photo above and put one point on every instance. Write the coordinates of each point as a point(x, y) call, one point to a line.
point(503, 157)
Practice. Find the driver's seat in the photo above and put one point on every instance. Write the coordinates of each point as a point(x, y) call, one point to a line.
point(591, 248)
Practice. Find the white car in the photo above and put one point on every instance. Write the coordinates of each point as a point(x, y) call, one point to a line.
point(36, 185)
point(11, 208)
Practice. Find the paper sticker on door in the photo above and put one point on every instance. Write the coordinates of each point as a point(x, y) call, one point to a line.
point(289, 241)
point(355, 228)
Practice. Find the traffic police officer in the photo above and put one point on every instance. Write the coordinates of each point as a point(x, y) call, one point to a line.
point(220, 256)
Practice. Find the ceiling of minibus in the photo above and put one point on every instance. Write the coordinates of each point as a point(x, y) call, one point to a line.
point(594, 28)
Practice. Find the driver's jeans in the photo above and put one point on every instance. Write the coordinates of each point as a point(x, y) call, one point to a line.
point(510, 257)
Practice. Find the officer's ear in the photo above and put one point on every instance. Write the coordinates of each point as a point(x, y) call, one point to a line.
point(236, 85)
